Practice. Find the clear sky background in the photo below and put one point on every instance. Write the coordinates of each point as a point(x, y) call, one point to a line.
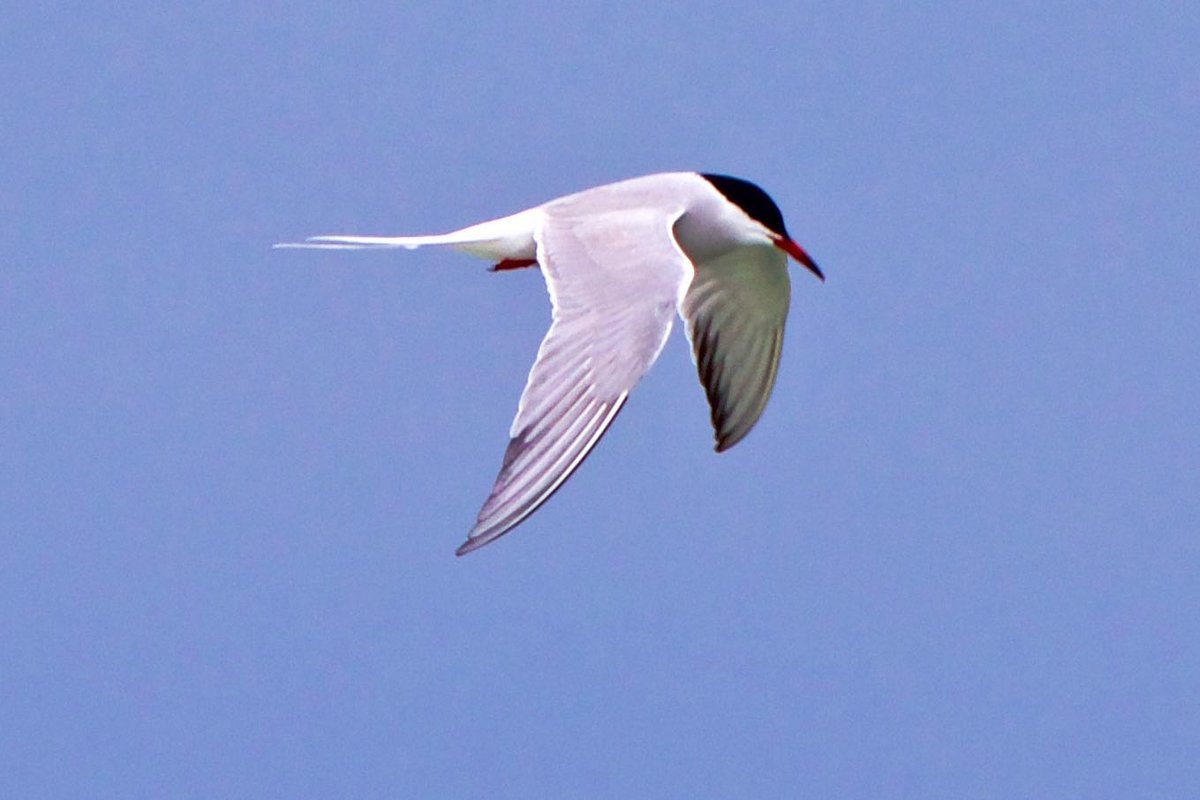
point(958, 557)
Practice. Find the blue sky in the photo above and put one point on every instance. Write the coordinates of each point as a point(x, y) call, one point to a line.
point(958, 557)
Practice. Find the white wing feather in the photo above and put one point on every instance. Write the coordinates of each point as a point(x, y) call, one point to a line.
point(615, 280)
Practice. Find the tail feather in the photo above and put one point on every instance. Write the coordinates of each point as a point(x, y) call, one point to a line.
point(509, 237)
point(362, 242)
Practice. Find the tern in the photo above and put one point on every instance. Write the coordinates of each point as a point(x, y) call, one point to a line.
point(619, 261)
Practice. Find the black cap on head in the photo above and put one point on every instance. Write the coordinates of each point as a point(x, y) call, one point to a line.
point(747, 196)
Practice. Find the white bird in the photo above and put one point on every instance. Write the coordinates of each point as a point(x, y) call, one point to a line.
point(619, 260)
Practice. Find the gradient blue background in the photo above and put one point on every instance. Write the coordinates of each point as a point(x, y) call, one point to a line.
point(959, 556)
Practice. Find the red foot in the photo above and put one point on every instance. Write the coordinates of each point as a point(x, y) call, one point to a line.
point(514, 263)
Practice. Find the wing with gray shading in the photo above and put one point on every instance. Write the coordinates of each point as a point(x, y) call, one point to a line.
point(615, 280)
point(735, 311)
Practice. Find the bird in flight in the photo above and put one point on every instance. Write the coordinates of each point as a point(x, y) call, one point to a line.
point(619, 261)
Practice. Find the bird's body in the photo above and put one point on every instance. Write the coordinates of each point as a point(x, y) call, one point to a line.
point(619, 261)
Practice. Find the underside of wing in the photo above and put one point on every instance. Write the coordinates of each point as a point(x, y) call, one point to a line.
point(614, 282)
point(735, 311)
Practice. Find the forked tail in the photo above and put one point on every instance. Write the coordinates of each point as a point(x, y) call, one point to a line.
point(365, 242)
point(505, 238)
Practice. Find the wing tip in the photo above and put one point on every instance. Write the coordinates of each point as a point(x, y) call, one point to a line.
point(480, 535)
point(469, 546)
point(491, 526)
point(726, 440)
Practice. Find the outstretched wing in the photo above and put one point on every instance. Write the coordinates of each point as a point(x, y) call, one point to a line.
point(735, 310)
point(615, 280)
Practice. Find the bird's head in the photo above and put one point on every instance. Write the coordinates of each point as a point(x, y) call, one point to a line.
point(760, 208)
